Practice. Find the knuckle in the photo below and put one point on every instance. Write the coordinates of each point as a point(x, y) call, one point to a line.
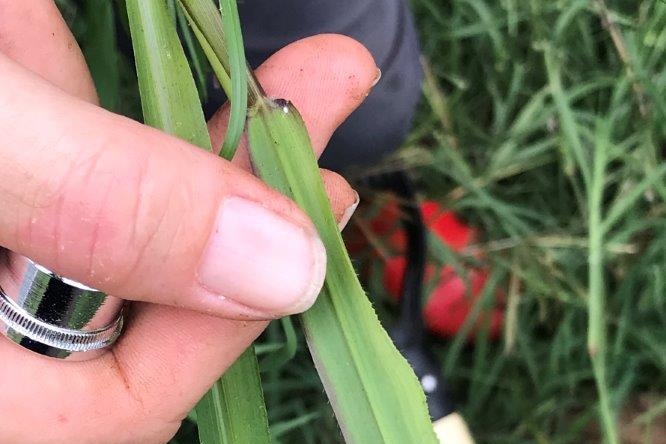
point(85, 215)
point(83, 209)
point(161, 219)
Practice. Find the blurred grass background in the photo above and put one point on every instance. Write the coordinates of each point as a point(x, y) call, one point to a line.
point(527, 102)
point(543, 124)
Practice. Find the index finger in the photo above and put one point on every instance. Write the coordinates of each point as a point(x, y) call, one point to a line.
point(35, 36)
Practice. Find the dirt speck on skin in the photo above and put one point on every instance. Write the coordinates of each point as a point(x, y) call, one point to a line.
point(356, 94)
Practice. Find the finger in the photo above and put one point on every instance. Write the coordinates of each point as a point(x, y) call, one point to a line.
point(344, 199)
point(36, 37)
point(296, 73)
point(138, 214)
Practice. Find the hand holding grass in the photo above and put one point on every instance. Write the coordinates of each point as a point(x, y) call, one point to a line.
point(94, 196)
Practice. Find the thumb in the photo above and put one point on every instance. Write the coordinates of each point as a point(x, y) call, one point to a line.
point(144, 216)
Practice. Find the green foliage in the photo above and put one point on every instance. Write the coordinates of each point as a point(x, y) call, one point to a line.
point(101, 52)
point(169, 96)
point(234, 411)
point(544, 126)
point(233, 39)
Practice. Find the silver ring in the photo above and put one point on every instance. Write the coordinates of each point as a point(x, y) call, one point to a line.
point(55, 316)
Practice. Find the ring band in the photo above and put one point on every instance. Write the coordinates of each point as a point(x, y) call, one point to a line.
point(55, 316)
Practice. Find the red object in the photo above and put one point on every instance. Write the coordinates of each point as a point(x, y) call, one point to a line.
point(446, 226)
point(385, 224)
point(394, 274)
point(450, 302)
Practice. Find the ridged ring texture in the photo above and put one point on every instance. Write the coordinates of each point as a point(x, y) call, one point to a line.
point(19, 321)
point(55, 316)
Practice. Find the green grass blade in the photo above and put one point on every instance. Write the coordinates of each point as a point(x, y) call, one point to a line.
point(230, 409)
point(226, 54)
point(623, 205)
point(596, 339)
point(101, 52)
point(279, 358)
point(285, 427)
point(233, 39)
point(171, 103)
point(218, 69)
point(373, 390)
point(169, 97)
point(205, 18)
point(575, 153)
point(195, 54)
point(233, 411)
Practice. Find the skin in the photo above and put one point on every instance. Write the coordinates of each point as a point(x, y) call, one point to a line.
point(169, 355)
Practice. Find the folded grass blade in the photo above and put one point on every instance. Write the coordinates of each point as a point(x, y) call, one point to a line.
point(233, 39)
point(226, 54)
point(374, 393)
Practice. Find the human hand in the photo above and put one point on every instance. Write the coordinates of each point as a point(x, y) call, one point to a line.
point(141, 215)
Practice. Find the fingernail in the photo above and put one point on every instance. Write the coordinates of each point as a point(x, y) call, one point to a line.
point(378, 77)
point(349, 212)
point(258, 258)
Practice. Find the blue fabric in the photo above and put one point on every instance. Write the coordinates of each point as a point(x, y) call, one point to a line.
point(385, 27)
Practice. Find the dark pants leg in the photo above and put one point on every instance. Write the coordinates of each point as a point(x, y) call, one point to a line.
point(386, 28)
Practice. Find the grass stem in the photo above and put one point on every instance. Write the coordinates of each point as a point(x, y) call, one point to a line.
point(596, 341)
